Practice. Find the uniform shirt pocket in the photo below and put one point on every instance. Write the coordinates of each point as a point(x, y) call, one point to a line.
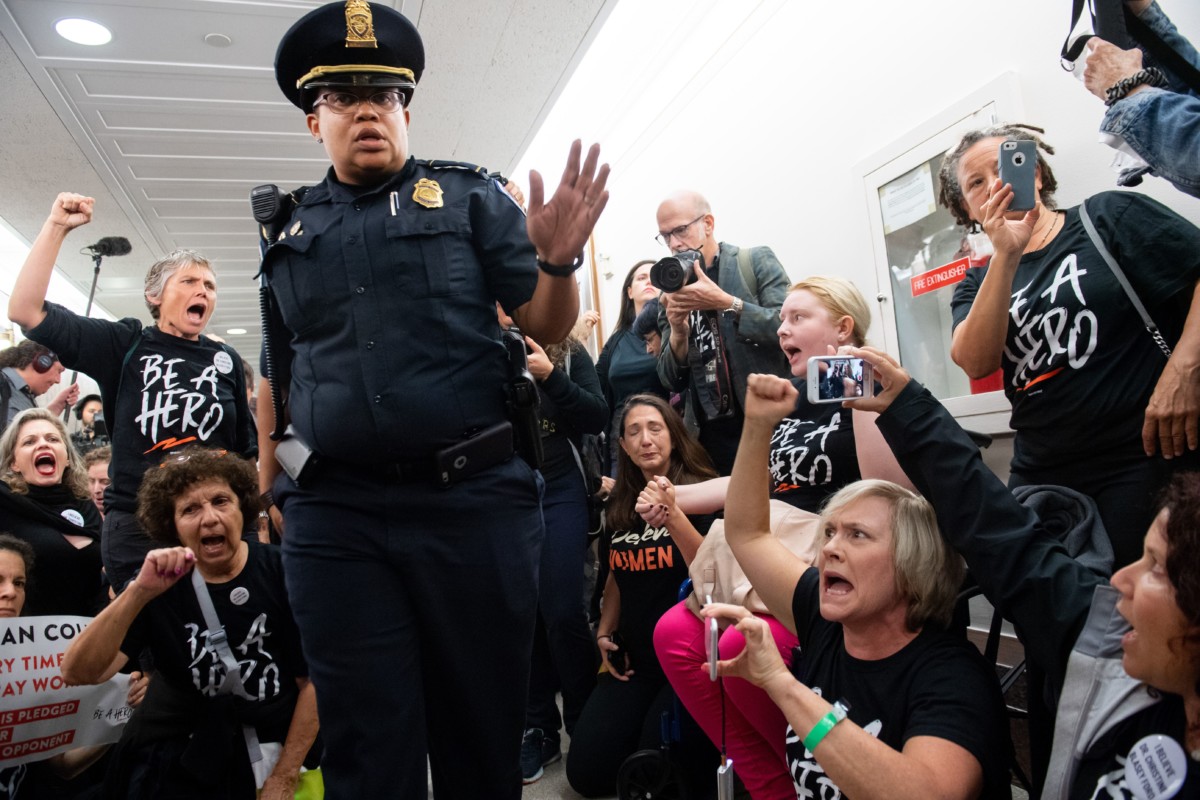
point(431, 249)
point(297, 280)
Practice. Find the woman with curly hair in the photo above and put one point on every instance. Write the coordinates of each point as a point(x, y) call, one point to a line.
point(44, 501)
point(206, 729)
point(1096, 404)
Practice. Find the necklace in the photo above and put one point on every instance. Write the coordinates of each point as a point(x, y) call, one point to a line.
point(1050, 230)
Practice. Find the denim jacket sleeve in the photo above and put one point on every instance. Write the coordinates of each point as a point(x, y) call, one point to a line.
point(1163, 125)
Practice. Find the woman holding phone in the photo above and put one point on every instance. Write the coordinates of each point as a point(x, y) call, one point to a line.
point(1097, 405)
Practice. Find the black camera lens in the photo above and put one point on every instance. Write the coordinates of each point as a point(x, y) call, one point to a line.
point(674, 272)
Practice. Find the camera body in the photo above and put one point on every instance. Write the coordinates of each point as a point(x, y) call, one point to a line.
point(672, 273)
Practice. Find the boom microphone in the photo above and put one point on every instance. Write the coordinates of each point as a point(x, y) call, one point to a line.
point(110, 246)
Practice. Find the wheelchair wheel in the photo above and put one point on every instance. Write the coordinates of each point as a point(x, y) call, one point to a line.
point(650, 775)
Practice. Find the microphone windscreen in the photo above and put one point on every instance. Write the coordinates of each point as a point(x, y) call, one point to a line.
point(112, 246)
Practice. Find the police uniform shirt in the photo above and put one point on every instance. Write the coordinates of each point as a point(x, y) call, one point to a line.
point(387, 296)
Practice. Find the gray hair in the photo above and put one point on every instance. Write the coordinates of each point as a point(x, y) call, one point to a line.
point(161, 271)
point(928, 572)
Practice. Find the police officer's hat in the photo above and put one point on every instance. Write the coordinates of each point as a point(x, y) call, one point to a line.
point(354, 43)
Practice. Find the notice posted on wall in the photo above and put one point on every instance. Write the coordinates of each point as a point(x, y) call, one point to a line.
point(40, 715)
point(907, 199)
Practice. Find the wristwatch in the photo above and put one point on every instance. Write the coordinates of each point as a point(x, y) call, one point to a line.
point(735, 308)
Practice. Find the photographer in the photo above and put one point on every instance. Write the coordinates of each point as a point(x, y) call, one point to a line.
point(88, 437)
point(1151, 111)
point(720, 325)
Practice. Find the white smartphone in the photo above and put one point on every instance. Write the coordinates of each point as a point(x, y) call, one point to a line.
point(832, 379)
point(711, 644)
point(725, 780)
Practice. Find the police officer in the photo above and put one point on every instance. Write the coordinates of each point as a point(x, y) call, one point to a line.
point(415, 600)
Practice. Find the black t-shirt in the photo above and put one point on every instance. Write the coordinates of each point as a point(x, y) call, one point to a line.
point(571, 405)
point(649, 569)
point(66, 579)
point(169, 393)
point(936, 685)
point(812, 453)
point(1079, 365)
point(262, 634)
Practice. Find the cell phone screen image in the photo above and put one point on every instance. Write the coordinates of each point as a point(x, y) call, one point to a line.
point(832, 379)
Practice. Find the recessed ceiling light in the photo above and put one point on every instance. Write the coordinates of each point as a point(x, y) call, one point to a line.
point(217, 40)
point(236, 331)
point(83, 31)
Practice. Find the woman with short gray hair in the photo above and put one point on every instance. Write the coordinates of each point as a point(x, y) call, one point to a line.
point(163, 387)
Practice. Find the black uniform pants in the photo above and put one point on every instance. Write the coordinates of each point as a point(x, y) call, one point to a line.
point(416, 608)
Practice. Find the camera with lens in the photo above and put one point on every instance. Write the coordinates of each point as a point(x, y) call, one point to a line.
point(675, 271)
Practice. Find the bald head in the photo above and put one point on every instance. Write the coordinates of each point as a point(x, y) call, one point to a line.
point(685, 220)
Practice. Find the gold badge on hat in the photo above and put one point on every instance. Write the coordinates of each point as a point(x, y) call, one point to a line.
point(360, 29)
point(428, 193)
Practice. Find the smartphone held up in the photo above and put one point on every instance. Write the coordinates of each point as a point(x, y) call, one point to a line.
point(1018, 167)
point(833, 379)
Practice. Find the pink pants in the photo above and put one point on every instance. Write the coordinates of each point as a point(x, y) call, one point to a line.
point(754, 726)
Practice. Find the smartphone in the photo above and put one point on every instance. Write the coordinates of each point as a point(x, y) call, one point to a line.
point(832, 379)
point(725, 780)
point(711, 645)
point(1018, 167)
point(616, 658)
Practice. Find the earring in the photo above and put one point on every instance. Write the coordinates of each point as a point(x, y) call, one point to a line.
point(320, 140)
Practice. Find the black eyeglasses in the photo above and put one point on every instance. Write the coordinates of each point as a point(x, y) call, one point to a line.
point(664, 237)
point(388, 101)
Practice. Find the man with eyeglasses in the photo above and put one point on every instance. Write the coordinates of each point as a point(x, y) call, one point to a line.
point(721, 328)
point(412, 541)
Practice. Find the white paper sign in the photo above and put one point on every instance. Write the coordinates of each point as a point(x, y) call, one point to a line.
point(39, 714)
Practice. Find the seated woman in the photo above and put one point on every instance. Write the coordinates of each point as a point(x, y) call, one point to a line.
point(44, 501)
point(1096, 405)
point(1124, 658)
point(815, 450)
point(647, 565)
point(884, 701)
point(195, 741)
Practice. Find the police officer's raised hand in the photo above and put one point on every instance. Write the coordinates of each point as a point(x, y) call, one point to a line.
point(888, 374)
point(560, 228)
point(70, 211)
point(703, 295)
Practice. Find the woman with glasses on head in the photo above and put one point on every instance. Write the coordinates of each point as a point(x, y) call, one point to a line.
point(44, 501)
point(163, 387)
point(206, 729)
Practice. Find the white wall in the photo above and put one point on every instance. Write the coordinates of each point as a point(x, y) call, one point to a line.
point(767, 108)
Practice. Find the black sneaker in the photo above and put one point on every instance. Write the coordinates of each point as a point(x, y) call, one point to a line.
point(531, 755)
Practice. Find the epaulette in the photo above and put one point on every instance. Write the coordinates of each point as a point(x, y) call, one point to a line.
point(463, 165)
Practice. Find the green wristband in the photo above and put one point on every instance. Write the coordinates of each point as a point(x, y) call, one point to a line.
point(825, 725)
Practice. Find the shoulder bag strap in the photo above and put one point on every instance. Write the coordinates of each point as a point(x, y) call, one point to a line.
point(233, 673)
point(1121, 279)
point(746, 269)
